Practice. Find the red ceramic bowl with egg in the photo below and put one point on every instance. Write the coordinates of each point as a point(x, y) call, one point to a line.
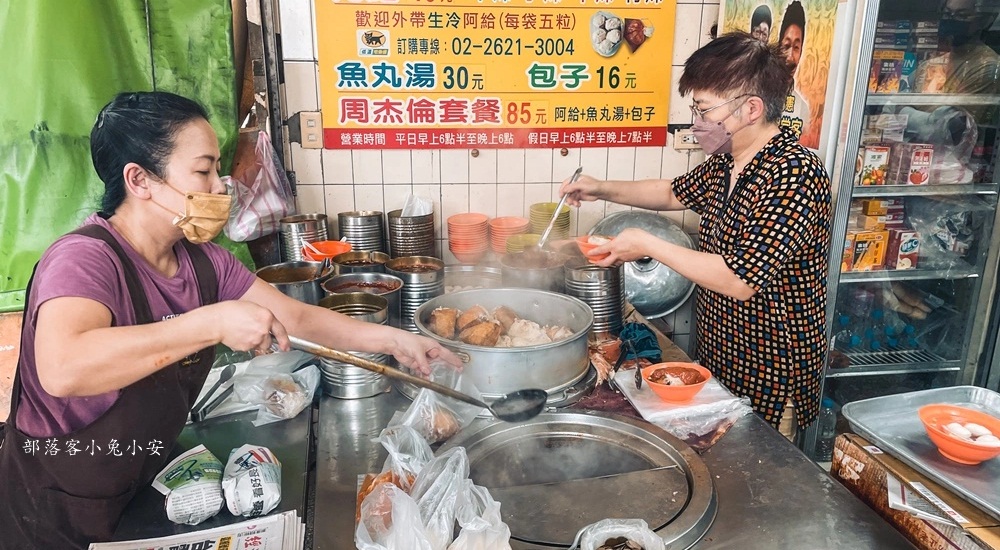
point(585, 244)
point(936, 417)
point(676, 394)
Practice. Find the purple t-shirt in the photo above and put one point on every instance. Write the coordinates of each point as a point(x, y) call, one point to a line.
point(80, 266)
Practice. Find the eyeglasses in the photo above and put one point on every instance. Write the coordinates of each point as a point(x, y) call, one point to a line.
point(700, 113)
point(960, 15)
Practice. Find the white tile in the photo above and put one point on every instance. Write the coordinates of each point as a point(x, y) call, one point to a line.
point(687, 32)
point(367, 166)
point(447, 256)
point(308, 165)
point(709, 17)
point(454, 200)
point(510, 199)
point(394, 196)
point(680, 106)
point(647, 162)
point(454, 166)
point(537, 165)
point(483, 167)
point(483, 198)
point(338, 166)
point(673, 163)
point(691, 221)
point(510, 165)
point(563, 167)
point(695, 158)
point(339, 198)
point(396, 166)
point(676, 216)
point(309, 199)
point(613, 207)
point(534, 193)
point(588, 215)
point(301, 92)
point(369, 197)
point(426, 166)
point(621, 163)
point(296, 29)
point(595, 162)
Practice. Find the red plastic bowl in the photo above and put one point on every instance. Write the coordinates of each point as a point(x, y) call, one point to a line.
point(586, 247)
point(676, 394)
point(936, 417)
point(328, 249)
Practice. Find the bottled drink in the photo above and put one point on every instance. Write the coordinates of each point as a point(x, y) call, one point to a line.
point(827, 431)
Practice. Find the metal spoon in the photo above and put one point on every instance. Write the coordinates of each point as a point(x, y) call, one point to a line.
point(513, 407)
point(562, 201)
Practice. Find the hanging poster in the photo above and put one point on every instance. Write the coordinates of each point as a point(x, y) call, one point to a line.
point(415, 74)
point(804, 29)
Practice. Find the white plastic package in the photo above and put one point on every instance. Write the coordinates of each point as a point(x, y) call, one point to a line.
point(479, 517)
point(278, 396)
point(252, 481)
point(416, 206)
point(636, 530)
point(192, 486)
point(437, 417)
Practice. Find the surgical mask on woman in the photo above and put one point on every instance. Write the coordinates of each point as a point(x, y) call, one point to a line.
point(204, 216)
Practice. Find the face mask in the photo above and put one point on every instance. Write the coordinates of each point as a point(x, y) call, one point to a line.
point(959, 32)
point(713, 136)
point(204, 216)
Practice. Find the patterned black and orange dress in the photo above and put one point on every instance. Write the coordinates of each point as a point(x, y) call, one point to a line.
point(774, 233)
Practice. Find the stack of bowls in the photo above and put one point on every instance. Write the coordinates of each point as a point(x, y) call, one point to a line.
point(296, 229)
point(363, 229)
point(541, 214)
point(467, 236)
point(345, 381)
point(517, 243)
point(423, 279)
point(503, 228)
point(380, 284)
point(601, 288)
point(410, 235)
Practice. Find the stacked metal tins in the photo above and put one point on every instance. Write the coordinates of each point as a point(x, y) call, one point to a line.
point(602, 289)
point(363, 229)
point(410, 235)
point(346, 381)
point(379, 284)
point(298, 229)
point(423, 279)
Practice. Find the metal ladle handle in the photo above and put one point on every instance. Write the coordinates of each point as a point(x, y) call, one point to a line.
point(555, 215)
point(323, 351)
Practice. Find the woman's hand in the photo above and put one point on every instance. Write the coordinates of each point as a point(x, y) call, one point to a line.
point(417, 352)
point(629, 245)
point(245, 326)
point(585, 188)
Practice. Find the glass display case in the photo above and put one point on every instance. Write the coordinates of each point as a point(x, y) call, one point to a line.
point(913, 256)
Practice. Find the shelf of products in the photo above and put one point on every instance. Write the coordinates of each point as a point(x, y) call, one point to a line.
point(933, 99)
point(919, 190)
point(964, 272)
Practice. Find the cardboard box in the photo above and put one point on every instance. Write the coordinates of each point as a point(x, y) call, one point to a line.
point(911, 163)
point(869, 250)
point(863, 469)
point(902, 25)
point(904, 249)
point(894, 218)
point(887, 68)
point(847, 258)
point(878, 207)
point(874, 164)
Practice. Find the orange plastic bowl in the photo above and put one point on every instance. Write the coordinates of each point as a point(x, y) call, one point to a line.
point(328, 249)
point(586, 247)
point(676, 394)
point(936, 417)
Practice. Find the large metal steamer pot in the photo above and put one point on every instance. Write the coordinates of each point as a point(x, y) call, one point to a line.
point(497, 371)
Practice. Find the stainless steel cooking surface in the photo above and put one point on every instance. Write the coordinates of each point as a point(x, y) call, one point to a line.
point(891, 422)
point(652, 288)
point(562, 471)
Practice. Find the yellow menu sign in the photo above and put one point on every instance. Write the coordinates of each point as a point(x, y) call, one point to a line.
point(414, 74)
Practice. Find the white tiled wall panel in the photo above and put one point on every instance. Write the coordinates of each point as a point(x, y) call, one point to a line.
point(495, 182)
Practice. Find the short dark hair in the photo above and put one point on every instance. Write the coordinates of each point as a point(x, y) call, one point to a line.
point(137, 127)
point(794, 15)
point(761, 15)
point(737, 63)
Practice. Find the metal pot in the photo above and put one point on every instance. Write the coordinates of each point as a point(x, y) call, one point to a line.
point(300, 280)
point(539, 269)
point(360, 262)
point(380, 284)
point(497, 371)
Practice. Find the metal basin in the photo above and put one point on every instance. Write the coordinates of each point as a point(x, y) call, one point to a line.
point(552, 367)
point(653, 288)
point(559, 472)
point(301, 280)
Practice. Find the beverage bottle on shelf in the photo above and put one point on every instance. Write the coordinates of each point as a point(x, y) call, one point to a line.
point(875, 332)
point(827, 430)
point(845, 338)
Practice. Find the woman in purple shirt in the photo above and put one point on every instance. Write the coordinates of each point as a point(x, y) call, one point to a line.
point(121, 322)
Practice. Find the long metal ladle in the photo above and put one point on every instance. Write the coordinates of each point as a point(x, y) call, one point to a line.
point(514, 407)
point(555, 215)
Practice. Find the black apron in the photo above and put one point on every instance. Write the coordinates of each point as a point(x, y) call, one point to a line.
point(69, 499)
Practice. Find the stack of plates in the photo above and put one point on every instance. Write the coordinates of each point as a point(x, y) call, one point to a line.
point(541, 214)
point(503, 228)
point(517, 243)
point(467, 236)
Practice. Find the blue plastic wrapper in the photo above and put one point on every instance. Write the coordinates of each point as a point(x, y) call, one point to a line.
point(644, 343)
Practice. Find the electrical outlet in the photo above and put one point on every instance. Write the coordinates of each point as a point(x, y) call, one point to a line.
point(311, 126)
point(684, 140)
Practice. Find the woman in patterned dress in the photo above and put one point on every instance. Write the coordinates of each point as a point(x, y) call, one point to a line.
point(764, 233)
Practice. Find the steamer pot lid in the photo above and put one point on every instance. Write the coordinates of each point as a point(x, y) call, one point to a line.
point(652, 288)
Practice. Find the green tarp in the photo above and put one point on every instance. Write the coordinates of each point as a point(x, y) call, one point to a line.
point(62, 61)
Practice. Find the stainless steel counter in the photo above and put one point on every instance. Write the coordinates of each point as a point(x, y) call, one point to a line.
point(770, 495)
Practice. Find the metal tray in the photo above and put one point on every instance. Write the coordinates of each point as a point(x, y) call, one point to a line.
point(891, 422)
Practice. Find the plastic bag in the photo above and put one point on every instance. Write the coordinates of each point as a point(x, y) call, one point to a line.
point(437, 417)
point(436, 491)
point(390, 520)
point(261, 196)
point(595, 535)
point(408, 453)
point(479, 517)
point(278, 396)
point(416, 206)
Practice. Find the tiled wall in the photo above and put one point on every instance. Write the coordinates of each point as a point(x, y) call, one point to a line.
point(496, 182)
